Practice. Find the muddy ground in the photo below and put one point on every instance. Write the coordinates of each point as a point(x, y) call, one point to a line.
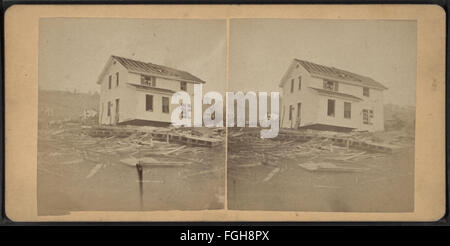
point(271, 179)
point(77, 172)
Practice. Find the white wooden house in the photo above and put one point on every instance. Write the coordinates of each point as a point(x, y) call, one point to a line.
point(320, 97)
point(139, 93)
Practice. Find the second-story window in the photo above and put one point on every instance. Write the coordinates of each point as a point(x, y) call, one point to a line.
point(299, 82)
point(183, 85)
point(148, 80)
point(366, 91)
point(109, 82)
point(330, 85)
point(117, 79)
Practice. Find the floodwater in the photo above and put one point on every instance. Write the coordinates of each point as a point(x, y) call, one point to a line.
point(384, 184)
point(69, 180)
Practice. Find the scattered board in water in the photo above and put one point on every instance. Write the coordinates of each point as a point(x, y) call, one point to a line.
point(326, 166)
point(148, 161)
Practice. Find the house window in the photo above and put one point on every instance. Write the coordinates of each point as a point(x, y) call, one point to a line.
point(366, 91)
point(347, 110)
point(367, 117)
point(292, 85)
point(299, 82)
point(109, 83)
point(183, 85)
point(291, 109)
point(109, 109)
point(330, 111)
point(183, 107)
point(149, 102)
point(117, 79)
point(330, 85)
point(148, 80)
point(165, 104)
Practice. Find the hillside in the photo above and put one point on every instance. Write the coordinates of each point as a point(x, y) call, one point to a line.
point(64, 105)
point(399, 117)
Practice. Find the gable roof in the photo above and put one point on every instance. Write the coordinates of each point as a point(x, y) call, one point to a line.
point(148, 68)
point(339, 74)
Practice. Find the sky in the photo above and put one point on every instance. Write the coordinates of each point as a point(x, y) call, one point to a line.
point(261, 51)
point(73, 51)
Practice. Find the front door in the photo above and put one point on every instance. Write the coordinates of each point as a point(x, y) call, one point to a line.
point(299, 113)
point(116, 119)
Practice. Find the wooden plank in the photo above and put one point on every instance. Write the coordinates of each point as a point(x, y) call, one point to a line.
point(271, 174)
point(325, 166)
point(148, 161)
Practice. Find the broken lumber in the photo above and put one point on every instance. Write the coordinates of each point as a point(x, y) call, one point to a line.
point(94, 170)
point(205, 172)
point(326, 166)
point(148, 161)
point(352, 156)
point(271, 174)
point(72, 162)
point(175, 150)
point(248, 165)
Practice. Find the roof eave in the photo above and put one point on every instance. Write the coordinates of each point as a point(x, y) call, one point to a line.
point(166, 77)
point(283, 79)
point(104, 69)
point(155, 89)
point(320, 76)
point(336, 94)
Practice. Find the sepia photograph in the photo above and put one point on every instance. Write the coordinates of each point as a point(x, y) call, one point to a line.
point(224, 113)
point(105, 137)
point(346, 115)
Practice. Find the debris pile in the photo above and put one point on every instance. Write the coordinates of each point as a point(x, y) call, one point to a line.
point(311, 150)
point(136, 162)
point(147, 146)
point(207, 138)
